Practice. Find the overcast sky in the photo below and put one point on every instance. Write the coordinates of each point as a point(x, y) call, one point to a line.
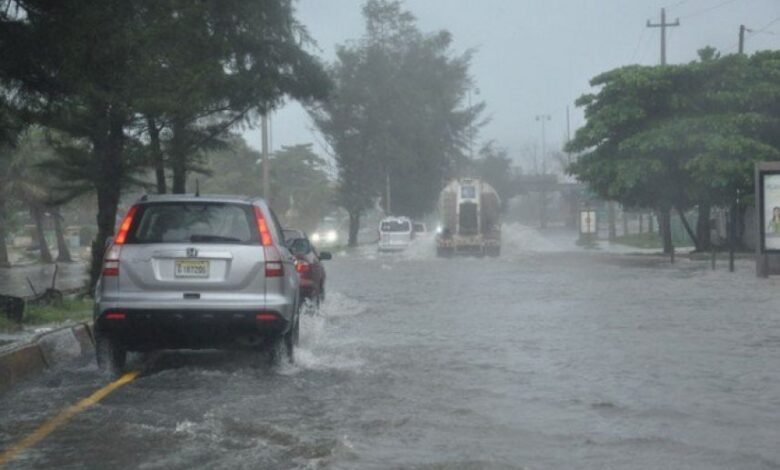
point(536, 57)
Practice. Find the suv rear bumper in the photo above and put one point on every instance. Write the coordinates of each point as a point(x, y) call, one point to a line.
point(150, 329)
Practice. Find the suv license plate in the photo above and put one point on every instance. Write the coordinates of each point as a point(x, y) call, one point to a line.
point(190, 268)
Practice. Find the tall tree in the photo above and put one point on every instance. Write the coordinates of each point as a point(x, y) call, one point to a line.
point(109, 65)
point(240, 56)
point(301, 186)
point(495, 167)
point(10, 126)
point(396, 119)
point(677, 136)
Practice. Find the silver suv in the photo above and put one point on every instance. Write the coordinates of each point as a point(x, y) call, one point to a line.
point(194, 272)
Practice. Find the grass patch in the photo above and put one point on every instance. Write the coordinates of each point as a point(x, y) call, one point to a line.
point(68, 309)
point(7, 325)
point(641, 240)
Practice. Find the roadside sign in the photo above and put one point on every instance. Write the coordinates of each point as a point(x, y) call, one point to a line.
point(769, 210)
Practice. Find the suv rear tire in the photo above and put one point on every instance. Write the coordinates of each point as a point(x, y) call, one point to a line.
point(283, 347)
point(111, 354)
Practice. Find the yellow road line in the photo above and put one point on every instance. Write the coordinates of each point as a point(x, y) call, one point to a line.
point(49, 426)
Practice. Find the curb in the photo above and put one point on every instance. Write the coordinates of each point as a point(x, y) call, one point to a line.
point(49, 350)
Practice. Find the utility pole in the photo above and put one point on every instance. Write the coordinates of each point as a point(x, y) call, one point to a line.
point(542, 193)
point(663, 25)
point(388, 207)
point(568, 135)
point(266, 163)
point(742, 31)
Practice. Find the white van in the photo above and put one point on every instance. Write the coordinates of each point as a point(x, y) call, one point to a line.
point(395, 233)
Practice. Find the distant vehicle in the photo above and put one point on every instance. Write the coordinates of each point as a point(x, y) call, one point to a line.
point(327, 234)
point(308, 265)
point(395, 233)
point(193, 272)
point(420, 228)
point(470, 212)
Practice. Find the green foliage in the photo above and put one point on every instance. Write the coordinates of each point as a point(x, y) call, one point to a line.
point(676, 136)
point(495, 167)
point(99, 72)
point(300, 188)
point(396, 112)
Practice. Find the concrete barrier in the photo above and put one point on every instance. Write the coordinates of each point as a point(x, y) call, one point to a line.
point(30, 357)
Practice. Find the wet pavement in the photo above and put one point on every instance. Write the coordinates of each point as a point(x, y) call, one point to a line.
point(547, 357)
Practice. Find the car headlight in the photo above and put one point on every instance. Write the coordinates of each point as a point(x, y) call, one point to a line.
point(439, 229)
point(331, 236)
point(315, 237)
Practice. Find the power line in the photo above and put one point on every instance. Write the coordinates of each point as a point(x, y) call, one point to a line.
point(675, 5)
point(645, 48)
point(639, 44)
point(707, 10)
point(766, 26)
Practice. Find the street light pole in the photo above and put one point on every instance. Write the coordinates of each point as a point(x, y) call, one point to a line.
point(544, 118)
point(471, 124)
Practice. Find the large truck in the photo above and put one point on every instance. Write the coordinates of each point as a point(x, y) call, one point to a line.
point(470, 212)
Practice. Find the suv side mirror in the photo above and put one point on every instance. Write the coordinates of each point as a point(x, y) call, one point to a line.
point(325, 255)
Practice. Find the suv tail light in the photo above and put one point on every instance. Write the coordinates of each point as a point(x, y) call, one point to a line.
point(111, 258)
point(273, 260)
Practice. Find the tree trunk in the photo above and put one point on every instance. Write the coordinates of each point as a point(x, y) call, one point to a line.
point(650, 223)
point(4, 261)
point(641, 223)
point(624, 219)
point(354, 227)
point(689, 230)
point(108, 147)
point(158, 159)
point(37, 216)
point(179, 157)
point(63, 252)
point(611, 222)
point(703, 228)
point(665, 228)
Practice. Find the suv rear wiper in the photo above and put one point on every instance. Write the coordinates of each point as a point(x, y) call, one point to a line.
point(213, 238)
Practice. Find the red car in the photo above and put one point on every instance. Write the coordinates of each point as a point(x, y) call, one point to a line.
point(309, 266)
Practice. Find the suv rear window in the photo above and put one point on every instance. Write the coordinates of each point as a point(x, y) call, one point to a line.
point(194, 222)
point(395, 226)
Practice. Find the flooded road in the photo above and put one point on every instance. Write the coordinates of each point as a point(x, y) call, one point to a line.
point(544, 358)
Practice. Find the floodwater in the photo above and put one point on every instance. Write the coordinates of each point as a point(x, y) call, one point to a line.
point(547, 357)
